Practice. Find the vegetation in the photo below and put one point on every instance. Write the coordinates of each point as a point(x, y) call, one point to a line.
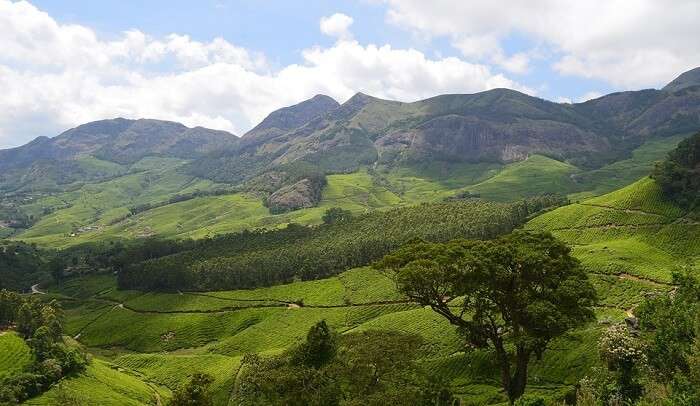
point(522, 290)
point(193, 393)
point(633, 232)
point(367, 368)
point(40, 325)
point(312, 253)
point(21, 265)
point(679, 174)
point(655, 358)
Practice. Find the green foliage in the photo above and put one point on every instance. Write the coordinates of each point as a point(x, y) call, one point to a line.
point(624, 357)
point(369, 368)
point(522, 288)
point(679, 174)
point(272, 257)
point(319, 348)
point(21, 265)
point(52, 358)
point(194, 393)
point(336, 215)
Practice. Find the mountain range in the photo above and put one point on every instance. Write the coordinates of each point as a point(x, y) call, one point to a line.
point(285, 159)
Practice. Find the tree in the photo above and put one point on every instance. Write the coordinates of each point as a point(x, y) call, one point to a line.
point(336, 215)
point(517, 292)
point(679, 174)
point(319, 348)
point(671, 334)
point(194, 393)
point(624, 357)
point(56, 268)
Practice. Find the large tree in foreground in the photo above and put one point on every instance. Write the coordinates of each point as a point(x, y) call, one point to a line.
point(513, 294)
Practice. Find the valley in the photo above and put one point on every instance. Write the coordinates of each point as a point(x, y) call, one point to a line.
point(164, 252)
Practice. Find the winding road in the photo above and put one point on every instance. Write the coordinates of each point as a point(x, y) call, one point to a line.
point(35, 290)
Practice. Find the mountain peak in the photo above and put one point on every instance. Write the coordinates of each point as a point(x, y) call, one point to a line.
point(686, 79)
point(289, 118)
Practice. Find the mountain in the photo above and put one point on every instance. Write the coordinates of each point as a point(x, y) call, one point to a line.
point(288, 118)
point(499, 125)
point(687, 79)
point(286, 157)
point(71, 155)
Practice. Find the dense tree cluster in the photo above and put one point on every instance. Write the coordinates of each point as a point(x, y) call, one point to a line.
point(263, 258)
point(679, 174)
point(514, 294)
point(194, 392)
point(367, 368)
point(21, 265)
point(39, 323)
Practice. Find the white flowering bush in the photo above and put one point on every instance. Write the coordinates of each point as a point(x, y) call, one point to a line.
point(620, 350)
point(625, 358)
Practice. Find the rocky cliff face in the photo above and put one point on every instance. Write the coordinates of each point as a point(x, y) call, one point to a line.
point(299, 195)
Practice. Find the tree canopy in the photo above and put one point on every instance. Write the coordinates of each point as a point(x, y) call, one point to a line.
point(513, 294)
point(679, 174)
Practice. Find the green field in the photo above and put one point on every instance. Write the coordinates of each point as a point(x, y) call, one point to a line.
point(632, 231)
point(15, 354)
point(103, 383)
point(100, 211)
point(156, 340)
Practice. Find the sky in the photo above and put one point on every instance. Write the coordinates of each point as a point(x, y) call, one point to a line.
point(226, 64)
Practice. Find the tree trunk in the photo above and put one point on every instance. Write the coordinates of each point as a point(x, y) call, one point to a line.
point(514, 385)
point(519, 378)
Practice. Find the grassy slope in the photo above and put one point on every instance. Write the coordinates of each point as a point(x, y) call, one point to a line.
point(533, 176)
point(630, 231)
point(103, 384)
point(152, 180)
point(165, 337)
point(156, 179)
point(619, 174)
point(15, 354)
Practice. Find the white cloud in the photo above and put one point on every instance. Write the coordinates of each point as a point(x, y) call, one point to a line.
point(337, 25)
point(55, 76)
point(628, 43)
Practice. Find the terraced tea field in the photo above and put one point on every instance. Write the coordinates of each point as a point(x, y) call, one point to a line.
point(15, 354)
point(632, 231)
point(162, 338)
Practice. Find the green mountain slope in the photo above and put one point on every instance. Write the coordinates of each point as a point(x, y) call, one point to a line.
point(633, 231)
point(166, 336)
point(102, 211)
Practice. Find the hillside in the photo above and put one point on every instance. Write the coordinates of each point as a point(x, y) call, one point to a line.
point(147, 343)
point(172, 335)
point(115, 179)
point(632, 233)
point(100, 150)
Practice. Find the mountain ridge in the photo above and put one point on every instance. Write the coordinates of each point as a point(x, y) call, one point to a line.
point(319, 135)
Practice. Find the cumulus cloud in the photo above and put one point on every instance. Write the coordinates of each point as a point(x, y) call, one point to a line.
point(337, 25)
point(55, 76)
point(628, 43)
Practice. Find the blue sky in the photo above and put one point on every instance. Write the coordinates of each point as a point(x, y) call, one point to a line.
point(282, 29)
point(225, 64)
